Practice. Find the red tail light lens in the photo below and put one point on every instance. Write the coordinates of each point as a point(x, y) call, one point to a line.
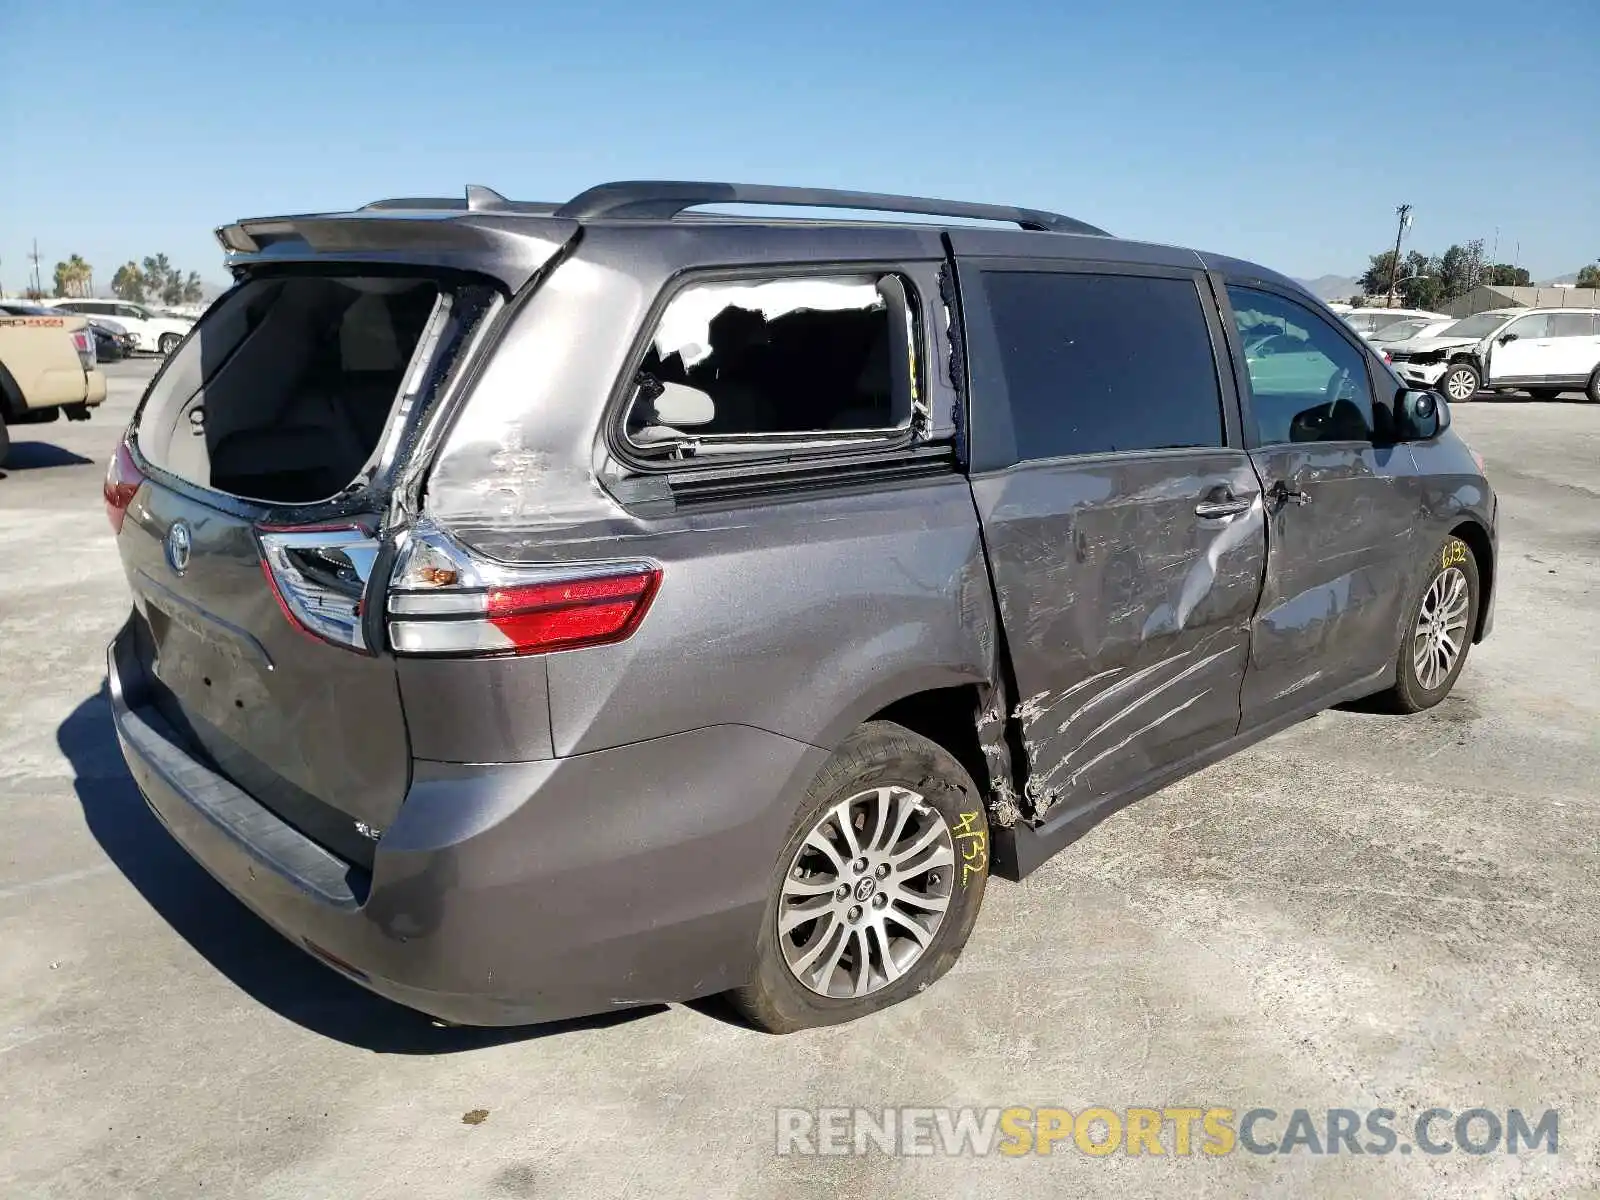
point(445, 601)
point(122, 484)
point(583, 612)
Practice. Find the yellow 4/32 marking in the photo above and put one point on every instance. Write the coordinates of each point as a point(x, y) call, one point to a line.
point(974, 841)
point(1453, 552)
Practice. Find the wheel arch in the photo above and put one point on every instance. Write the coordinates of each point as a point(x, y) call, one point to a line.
point(1477, 538)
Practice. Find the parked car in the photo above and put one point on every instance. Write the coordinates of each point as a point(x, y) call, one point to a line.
point(112, 342)
point(1368, 321)
point(155, 332)
point(1543, 351)
point(582, 607)
point(47, 367)
point(1411, 327)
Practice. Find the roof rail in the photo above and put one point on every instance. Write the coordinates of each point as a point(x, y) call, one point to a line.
point(664, 199)
point(477, 199)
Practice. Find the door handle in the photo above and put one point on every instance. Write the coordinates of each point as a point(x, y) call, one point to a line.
point(1283, 494)
point(1232, 506)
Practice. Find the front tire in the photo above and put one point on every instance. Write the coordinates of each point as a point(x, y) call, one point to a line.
point(1439, 634)
point(1461, 382)
point(1592, 389)
point(168, 343)
point(877, 887)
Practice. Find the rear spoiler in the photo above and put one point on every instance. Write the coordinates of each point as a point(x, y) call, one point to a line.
point(510, 249)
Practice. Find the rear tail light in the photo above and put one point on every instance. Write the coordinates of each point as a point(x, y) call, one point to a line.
point(444, 601)
point(122, 484)
point(83, 341)
point(319, 576)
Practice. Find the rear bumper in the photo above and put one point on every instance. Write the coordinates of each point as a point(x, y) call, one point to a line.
point(95, 387)
point(509, 893)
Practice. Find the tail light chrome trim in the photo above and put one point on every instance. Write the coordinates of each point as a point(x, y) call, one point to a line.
point(444, 600)
point(319, 577)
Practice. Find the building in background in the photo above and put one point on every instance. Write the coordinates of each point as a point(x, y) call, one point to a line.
point(1482, 299)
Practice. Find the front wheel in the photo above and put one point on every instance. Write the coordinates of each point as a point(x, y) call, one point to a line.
point(1592, 388)
point(169, 343)
point(877, 888)
point(1440, 633)
point(1461, 382)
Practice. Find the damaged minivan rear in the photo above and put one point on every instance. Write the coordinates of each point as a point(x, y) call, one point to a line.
point(538, 610)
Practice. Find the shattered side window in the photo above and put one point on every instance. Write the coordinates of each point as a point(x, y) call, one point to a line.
point(743, 364)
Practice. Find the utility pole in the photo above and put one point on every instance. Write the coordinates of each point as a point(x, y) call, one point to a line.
point(38, 287)
point(1404, 213)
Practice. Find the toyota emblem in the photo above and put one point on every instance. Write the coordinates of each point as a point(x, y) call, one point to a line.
point(179, 544)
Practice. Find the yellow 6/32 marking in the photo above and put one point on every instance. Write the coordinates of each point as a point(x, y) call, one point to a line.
point(1453, 552)
point(974, 841)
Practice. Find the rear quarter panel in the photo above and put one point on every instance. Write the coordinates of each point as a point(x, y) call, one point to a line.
point(800, 615)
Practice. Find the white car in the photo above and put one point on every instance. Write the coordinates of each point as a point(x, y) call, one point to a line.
point(155, 332)
point(1368, 321)
point(1543, 351)
point(1411, 327)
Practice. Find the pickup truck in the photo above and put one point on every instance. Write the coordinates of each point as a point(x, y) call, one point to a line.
point(47, 367)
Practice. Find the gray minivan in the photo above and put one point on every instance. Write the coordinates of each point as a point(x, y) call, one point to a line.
point(539, 609)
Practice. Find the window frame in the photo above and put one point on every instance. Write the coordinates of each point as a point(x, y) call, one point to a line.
point(992, 435)
point(801, 445)
point(1220, 283)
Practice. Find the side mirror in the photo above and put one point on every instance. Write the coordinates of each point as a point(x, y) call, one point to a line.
point(1422, 415)
point(1508, 337)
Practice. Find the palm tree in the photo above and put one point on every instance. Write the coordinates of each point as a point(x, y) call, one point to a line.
point(157, 273)
point(128, 283)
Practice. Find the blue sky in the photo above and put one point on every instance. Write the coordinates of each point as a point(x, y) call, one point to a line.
point(1285, 132)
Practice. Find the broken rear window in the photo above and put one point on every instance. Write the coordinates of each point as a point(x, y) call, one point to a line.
point(753, 364)
point(286, 391)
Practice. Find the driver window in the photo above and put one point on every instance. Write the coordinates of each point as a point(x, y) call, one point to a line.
point(1307, 382)
point(1528, 328)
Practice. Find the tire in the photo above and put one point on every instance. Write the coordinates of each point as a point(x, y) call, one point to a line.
point(5, 442)
point(169, 343)
point(1545, 393)
point(1460, 382)
point(1416, 688)
point(919, 788)
point(1592, 390)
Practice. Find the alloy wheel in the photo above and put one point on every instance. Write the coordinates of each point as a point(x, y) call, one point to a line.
point(1441, 631)
point(1461, 385)
point(866, 892)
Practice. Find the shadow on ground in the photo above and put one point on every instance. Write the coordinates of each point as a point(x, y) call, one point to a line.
point(230, 937)
point(35, 456)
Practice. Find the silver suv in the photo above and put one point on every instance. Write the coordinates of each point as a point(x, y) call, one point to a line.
point(539, 609)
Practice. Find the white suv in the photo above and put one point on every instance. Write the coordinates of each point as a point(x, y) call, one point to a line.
point(156, 333)
point(1544, 351)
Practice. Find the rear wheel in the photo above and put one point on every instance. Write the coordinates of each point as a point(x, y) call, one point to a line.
point(1460, 382)
point(169, 343)
point(1440, 633)
point(1592, 390)
point(877, 888)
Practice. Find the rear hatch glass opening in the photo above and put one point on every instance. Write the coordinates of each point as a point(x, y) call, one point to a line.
point(301, 388)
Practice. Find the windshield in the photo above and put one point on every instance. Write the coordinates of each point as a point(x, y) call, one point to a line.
point(1400, 330)
point(1481, 325)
